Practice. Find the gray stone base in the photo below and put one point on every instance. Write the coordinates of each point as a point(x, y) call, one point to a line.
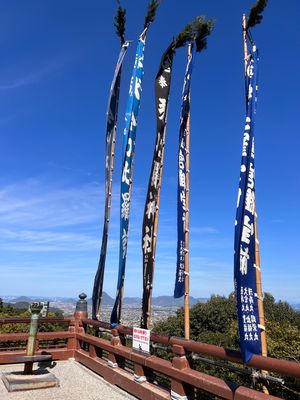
point(15, 381)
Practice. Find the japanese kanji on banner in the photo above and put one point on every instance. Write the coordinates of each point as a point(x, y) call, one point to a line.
point(111, 129)
point(132, 110)
point(131, 120)
point(244, 245)
point(162, 91)
point(181, 190)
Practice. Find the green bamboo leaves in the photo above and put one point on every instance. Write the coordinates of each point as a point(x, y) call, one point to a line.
point(119, 22)
point(150, 16)
point(255, 16)
point(197, 30)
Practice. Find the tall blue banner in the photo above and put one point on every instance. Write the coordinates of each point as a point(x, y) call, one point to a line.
point(181, 191)
point(244, 242)
point(132, 110)
point(111, 129)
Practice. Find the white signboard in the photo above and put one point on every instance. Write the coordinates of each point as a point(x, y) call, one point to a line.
point(141, 340)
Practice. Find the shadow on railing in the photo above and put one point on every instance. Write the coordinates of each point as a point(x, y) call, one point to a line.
point(144, 376)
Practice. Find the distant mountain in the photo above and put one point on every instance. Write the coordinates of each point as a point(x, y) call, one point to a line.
point(21, 299)
point(106, 300)
point(132, 300)
point(63, 299)
point(170, 301)
point(20, 305)
point(24, 305)
point(160, 301)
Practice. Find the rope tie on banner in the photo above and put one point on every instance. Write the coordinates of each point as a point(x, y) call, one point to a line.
point(257, 267)
point(142, 35)
point(126, 44)
point(186, 273)
point(258, 296)
point(186, 250)
point(262, 327)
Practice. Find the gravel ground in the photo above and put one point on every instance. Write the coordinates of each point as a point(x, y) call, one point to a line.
point(76, 383)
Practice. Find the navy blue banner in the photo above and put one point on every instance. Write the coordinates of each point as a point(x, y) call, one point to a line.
point(132, 110)
point(111, 129)
point(181, 192)
point(244, 242)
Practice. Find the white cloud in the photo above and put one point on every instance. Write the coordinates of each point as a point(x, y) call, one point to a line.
point(32, 77)
point(55, 229)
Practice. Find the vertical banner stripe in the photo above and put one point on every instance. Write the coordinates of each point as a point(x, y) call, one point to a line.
point(181, 191)
point(162, 91)
point(132, 110)
point(111, 129)
point(244, 243)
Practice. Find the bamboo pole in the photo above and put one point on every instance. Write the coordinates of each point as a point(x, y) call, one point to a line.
point(257, 253)
point(186, 224)
point(259, 290)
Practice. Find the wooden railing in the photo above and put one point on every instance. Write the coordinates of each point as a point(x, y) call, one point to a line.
point(139, 374)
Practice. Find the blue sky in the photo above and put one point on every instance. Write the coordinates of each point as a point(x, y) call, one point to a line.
point(57, 62)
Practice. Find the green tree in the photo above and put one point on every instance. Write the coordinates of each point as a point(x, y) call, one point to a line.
point(215, 322)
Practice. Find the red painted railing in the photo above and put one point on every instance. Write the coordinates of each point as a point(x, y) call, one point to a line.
point(132, 371)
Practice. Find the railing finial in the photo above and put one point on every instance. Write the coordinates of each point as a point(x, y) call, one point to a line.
point(81, 304)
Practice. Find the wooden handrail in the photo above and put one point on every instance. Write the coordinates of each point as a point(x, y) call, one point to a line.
point(188, 376)
point(178, 371)
point(284, 367)
point(26, 320)
point(14, 337)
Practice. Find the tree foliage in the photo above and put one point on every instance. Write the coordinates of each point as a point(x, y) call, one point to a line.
point(7, 311)
point(202, 30)
point(255, 16)
point(197, 31)
point(119, 22)
point(215, 322)
point(151, 12)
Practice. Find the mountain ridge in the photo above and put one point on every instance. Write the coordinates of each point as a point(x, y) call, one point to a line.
point(160, 301)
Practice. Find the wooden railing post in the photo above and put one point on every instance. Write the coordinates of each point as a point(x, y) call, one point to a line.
point(139, 373)
point(80, 313)
point(115, 341)
point(180, 362)
point(37, 346)
point(72, 342)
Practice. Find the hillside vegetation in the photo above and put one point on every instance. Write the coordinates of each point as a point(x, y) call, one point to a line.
point(215, 322)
